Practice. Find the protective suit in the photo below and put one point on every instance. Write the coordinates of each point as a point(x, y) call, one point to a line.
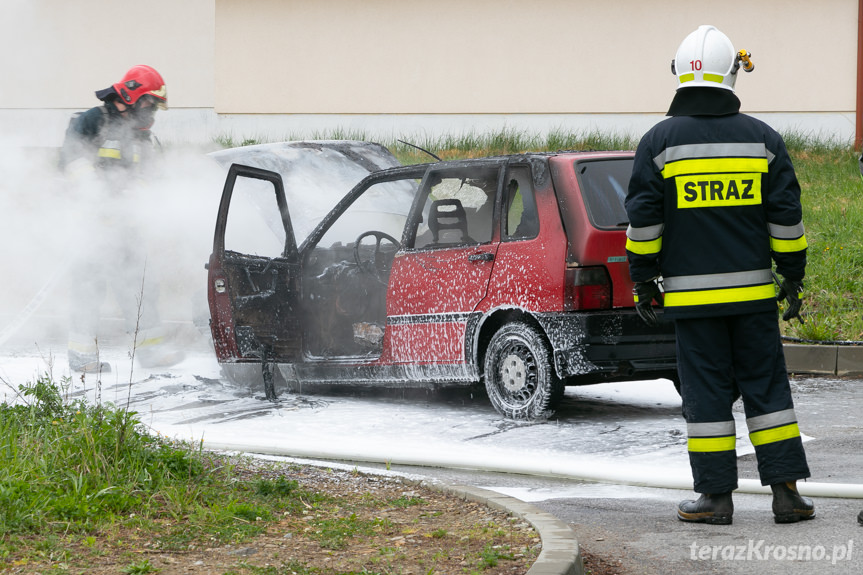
point(713, 202)
point(105, 153)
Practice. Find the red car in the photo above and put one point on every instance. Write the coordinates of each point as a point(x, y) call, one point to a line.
point(510, 271)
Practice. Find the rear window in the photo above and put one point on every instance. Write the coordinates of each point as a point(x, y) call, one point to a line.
point(603, 185)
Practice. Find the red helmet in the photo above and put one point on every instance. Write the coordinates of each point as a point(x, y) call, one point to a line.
point(139, 81)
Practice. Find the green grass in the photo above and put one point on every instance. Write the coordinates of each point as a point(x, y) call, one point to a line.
point(69, 469)
point(832, 209)
point(82, 484)
point(833, 215)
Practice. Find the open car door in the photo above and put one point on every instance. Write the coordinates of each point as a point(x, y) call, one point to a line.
point(253, 274)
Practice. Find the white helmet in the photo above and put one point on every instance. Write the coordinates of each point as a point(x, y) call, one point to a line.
point(706, 58)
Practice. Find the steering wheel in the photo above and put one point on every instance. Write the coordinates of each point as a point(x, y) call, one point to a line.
point(377, 265)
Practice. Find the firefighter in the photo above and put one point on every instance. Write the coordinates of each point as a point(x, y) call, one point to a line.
point(104, 153)
point(116, 135)
point(712, 200)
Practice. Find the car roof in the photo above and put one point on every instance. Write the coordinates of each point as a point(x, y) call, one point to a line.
point(527, 156)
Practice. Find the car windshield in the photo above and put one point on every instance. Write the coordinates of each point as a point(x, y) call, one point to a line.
point(316, 175)
point(383, 206)
point(603, 185)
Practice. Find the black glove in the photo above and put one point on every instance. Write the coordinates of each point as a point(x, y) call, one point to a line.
point(645, 293)
point(790, 290)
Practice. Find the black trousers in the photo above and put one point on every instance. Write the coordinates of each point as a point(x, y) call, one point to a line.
point(716, 357)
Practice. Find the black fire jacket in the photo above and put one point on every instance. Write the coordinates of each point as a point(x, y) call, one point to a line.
point(107, 139)
point(712, 200)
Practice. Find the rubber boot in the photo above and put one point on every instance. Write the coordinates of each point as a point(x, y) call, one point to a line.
point(715, 509)
point(87, 363)
point(788, 505)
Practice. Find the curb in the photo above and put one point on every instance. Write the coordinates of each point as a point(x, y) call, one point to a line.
point(560, 553)
point(827, 359)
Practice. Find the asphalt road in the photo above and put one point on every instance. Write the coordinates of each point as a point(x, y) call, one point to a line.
point(638, 525)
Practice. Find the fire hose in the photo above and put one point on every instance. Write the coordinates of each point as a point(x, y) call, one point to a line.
point(598, 471)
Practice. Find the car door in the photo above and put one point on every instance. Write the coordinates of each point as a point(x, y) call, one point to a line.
point(443, 270)
point(346, 263)
point(253, 271)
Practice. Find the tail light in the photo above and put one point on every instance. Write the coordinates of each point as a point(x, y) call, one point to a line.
point(587, 288)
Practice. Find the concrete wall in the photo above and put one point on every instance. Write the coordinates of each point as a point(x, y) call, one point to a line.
point(274, 69)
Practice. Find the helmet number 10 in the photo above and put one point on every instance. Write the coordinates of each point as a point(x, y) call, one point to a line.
point(695, 64)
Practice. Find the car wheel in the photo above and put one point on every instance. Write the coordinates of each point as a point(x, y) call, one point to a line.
point(519, 375)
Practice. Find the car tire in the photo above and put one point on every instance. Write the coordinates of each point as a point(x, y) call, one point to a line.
point(519, 374)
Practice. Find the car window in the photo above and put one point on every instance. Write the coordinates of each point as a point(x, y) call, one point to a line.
point(346, 272)
point(458, 208)
point(604, 184)
point(520, 215)
point(254, 225)
point(383, 207)
point(368, 231)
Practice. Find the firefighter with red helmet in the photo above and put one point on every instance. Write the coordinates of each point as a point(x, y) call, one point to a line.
point(104, 154)
point(713, 202)
point(117, 133)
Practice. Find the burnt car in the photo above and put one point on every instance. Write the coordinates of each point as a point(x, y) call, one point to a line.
point(506, 271)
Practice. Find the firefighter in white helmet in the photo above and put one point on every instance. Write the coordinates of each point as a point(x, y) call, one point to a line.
point(713, 203)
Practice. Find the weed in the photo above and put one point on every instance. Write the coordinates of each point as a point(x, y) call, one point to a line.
point(140, 568)
point(491, 554)
point(281, 487)
point(334, 533)
point(407, 501)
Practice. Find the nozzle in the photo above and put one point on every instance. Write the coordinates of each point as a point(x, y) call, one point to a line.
point(744, 60)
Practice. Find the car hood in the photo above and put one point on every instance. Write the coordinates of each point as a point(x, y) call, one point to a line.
point(316, 174)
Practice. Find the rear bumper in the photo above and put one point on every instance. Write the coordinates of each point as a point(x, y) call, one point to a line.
point(608, 345)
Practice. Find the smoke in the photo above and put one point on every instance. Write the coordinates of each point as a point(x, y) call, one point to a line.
point(58, 233)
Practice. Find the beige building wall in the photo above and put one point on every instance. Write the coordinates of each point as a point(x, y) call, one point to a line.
point(519, 57)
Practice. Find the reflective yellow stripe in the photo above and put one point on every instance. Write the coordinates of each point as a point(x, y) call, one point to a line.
point(687, 78)
point(727, 295)
point(785, 246)
point(789, 431)
point(150, 341)
point(644, 248)
point(713, 78)
point(109, 153)
point(711, 444)
point(82, 347)
point(714, 166)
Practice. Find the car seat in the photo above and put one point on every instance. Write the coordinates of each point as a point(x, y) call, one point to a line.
point(445, 216)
